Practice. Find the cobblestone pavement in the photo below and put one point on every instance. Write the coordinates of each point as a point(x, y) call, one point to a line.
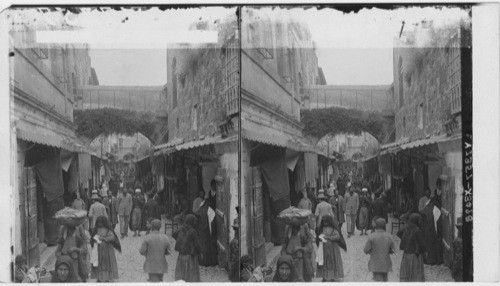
point(355, 262)
point(130, 263)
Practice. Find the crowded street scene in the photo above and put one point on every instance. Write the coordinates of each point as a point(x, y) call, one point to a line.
point(126, 161)
point(238, 144)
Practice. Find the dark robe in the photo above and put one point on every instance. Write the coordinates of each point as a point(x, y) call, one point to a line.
point(207, 240)
point(432, 238)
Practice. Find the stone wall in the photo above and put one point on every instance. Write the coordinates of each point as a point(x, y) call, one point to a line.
point(424, 83)
point(200, 104)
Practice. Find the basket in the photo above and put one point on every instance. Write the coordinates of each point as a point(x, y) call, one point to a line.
point(295, 216)
point(70, 217)
point(70, 221)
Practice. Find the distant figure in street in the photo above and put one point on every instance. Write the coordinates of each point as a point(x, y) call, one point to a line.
point(187, 267)
point(138, 205)
point(351, 204)
point(105, 241)
point(285, 270)
point(199, 199)
point(113, 209)
point(306, 204)
point(379, 246)
point(155, 247)
point(323, 208)
point(378, 209)
point(412, 244)
point(64, 271)
point(152, 211)
point(330, 191)
point(329, 258)
point(424, 200)
point(234, 248)
point(337, 202)
point(124, 201)
point(96, 209)
point(80, 204)
point(363, 216)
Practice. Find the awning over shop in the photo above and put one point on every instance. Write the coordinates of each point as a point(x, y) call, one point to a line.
point(51, 139)
point(405, 144)
point(171, 147)
point(281, 140)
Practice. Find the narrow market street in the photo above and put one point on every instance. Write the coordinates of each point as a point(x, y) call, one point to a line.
point(355, 262)
point(130, 262)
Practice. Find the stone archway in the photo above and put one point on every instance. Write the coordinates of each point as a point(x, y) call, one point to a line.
point(106, 121)
point(335, 120)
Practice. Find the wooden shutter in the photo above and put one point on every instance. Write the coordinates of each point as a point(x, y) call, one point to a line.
point(221, 215)
point(447, 212)
point(32, 251)
point(257, 217)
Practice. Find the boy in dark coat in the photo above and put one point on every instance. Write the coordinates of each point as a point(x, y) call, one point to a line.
point(155, 246)
point(380, 245)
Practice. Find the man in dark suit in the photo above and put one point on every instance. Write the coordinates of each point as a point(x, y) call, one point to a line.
point(155, 247)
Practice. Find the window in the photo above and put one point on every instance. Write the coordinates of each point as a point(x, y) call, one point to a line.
point(177, 123)
point(194, 118)
point(73, 78)
point(400, 81)
point(174, 84)
point(404, 124)
point(420, 113)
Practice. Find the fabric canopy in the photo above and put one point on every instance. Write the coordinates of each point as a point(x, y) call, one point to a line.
point(49, 173)
point(84, 167)
point(275, 174)
point(311, 167)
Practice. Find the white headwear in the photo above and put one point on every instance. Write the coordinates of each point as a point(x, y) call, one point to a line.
point(137, 191)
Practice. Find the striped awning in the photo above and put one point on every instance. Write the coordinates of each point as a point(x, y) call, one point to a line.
point(170, 148)
point(51, 139)
point(417, 143)
point(278, 139)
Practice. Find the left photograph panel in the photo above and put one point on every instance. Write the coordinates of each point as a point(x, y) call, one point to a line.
point(124, 143)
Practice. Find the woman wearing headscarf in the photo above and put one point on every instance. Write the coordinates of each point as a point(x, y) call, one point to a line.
point(64, 271)
point(187, 267)
point(329, 259)
point(105, 267)
point(285, 270)
point(298, 244)
point(412, 244)
point(72, 242)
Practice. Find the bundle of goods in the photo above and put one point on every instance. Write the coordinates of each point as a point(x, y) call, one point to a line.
point(70, 217)
point(295, 216)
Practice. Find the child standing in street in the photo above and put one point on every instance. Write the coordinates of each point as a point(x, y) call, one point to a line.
point(155, 247)
point(329, 258)
point(380, 245)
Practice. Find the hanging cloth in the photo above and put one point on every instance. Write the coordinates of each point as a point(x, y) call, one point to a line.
point(49, 173)
point(275, 174)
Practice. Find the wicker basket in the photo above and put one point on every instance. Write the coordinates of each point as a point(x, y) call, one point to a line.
point(295, 216)
point(70, 217)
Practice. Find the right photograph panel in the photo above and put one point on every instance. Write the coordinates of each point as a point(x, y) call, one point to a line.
point(351, 144)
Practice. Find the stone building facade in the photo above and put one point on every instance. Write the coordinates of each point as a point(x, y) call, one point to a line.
point(203, 127)
point(277, 61)
point(43, 79)
point(430, 84)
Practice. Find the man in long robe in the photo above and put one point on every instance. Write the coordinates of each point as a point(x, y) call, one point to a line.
point(207, 235)
point(433, 243)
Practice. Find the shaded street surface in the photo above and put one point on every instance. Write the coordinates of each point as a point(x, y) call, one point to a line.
point(130, 262)
point(355, 262)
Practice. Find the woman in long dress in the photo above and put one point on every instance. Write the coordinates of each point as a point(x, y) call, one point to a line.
point(330, 240)
point(187, 267)
point(72, 242)
point(106, 241)
point(298, 244)
point(412, 244)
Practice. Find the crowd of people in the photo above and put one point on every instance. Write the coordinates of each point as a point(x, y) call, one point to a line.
point(313, 250)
